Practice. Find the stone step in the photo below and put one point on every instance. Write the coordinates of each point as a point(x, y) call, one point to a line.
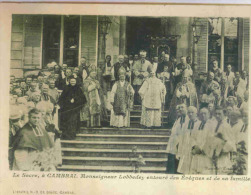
point(138, 113)
point(86, 152)
point(114, 145)
point(138, 118)
point(108, 161)
point(110, 169)
point(124, 131)
point(122, 138)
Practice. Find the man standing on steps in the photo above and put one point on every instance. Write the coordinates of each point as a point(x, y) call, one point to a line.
point(140, 73)
point(152, 93)
point(94, 112)
point(200, 163)
point(122, 96)
point(171, 148)
point(185, 141)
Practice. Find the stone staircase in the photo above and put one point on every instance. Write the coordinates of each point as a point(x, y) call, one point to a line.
point(110, 149)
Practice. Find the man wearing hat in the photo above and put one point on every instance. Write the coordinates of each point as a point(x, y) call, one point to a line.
point(122, 96)
point(140, 74)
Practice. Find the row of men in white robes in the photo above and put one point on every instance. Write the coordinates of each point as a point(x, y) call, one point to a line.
point(208, 146)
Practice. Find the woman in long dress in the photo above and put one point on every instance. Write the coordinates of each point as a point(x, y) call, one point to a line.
point(71, 101)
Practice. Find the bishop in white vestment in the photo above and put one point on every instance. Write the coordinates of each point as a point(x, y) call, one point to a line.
point(152, 93)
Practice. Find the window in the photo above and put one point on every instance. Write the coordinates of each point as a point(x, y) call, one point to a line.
point(32, 42)
point(223, 42)
point(51, 39)
point(71, 40)
point(231, 43)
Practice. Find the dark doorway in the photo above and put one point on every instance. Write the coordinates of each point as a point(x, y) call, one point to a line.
point(139, 30)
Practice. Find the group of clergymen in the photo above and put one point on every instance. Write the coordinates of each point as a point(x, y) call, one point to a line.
point(63, 97)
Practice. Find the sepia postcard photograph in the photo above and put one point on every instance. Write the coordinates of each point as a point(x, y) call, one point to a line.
point(150, 94)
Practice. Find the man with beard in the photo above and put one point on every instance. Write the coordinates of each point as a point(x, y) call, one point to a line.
point(122, 101)
point(94, 111)
point(71, 101)
point(185, 93)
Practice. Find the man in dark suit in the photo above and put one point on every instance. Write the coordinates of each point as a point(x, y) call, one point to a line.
point(118, 65)
point(165, 62)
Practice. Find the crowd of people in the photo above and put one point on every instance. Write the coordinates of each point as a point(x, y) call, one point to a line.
point(54, 103)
